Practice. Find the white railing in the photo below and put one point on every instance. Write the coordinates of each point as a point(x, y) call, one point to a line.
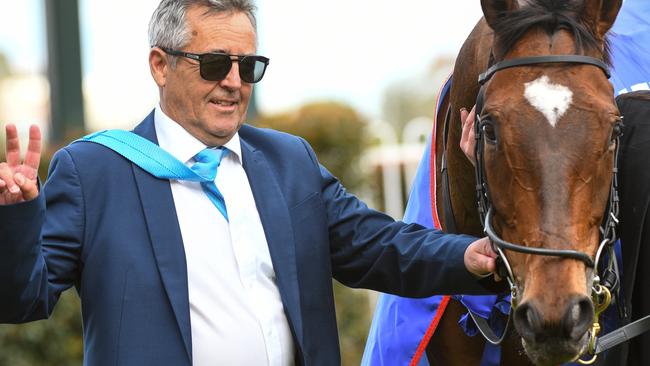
point(396, 160)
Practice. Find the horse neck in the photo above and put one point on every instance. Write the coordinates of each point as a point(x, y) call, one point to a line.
point(471, 61)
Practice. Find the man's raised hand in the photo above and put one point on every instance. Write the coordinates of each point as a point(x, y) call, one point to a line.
point(18, 179)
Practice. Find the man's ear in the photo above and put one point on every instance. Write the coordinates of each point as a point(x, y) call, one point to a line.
point(159, 66)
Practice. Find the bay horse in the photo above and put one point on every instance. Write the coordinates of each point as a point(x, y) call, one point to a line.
point(548, 127)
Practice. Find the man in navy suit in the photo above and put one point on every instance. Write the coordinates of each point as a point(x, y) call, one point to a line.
point(166, 276)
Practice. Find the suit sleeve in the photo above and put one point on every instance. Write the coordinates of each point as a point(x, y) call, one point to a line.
point(39, 248)
point(369, 249)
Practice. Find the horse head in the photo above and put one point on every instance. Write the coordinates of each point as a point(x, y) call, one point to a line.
point(548, 128)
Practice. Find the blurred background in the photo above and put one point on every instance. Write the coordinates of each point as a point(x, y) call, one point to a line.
point(358, 79)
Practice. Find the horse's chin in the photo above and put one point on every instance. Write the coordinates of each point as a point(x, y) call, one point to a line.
point(553, 352)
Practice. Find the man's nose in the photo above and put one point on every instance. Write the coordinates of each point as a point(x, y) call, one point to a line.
point(232, 80)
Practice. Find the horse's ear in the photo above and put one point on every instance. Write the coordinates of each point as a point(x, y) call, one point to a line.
point(493, 10)
point(601, 14)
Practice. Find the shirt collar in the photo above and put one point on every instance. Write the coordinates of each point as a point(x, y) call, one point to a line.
point(174, 139)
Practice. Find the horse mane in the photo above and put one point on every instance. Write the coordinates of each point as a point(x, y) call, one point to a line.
point(550, 15)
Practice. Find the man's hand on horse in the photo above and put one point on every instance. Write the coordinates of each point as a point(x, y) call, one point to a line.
point(480, 259)
point(467, 141)
point(18, 179)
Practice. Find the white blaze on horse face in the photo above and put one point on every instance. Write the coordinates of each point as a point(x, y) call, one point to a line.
point(552, 100)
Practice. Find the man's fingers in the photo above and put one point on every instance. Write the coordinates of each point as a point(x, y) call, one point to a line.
point(472, 113)
point(6, 175)
point(487, 266)
point(463, 115)
point(479, 257)
point(484, 266)
point(18, 181)
point(484, 247)
point(467, 142)
point(491, 263)
point(13, 145)
point(467, 119)
point(28, 187)
point(465, 131)
point(33, 156)
point(487, 248)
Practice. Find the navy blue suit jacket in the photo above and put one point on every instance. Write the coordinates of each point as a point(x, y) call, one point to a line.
point(110, 229)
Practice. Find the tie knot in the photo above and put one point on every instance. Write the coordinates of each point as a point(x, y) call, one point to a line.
point(207, 162)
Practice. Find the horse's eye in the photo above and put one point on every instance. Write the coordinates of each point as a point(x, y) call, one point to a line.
point(617, 131)
point(489, 131)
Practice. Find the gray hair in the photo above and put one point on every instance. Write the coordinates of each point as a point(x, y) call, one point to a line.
point(168, 26)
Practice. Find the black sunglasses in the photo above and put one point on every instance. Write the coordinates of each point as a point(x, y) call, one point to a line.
point(216, 66)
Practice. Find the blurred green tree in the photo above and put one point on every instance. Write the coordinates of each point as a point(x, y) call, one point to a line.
point(337, 134)
point(54, 342)
point(334, 130)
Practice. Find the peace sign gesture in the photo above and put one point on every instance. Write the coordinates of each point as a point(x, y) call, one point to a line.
point(18, 180)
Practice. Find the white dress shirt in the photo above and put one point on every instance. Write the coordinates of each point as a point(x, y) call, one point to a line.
point(236, 314)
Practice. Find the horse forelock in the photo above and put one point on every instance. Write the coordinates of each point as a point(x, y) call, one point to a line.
point(551, 16)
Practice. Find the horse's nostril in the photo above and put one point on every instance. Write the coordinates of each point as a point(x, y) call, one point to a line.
point(578, 317)
point(528, 321)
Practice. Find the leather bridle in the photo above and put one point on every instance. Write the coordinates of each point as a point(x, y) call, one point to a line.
point(485, 208)
point(601, 294)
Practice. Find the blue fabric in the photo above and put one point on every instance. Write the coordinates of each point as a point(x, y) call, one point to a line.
point(207, 162)
point(630, 47)
point(398, 326)
point(494, 308)
point(491, 354)
point(400, 323)
point(159, 163)
point(108, 227)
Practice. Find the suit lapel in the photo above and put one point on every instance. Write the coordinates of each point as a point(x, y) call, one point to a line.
point(274, 215)
point(166, 240)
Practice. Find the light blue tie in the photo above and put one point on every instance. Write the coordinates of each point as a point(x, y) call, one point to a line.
point(207, 162)
point(161, 164)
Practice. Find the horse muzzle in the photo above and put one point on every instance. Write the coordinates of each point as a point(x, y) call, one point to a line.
point(551, 339)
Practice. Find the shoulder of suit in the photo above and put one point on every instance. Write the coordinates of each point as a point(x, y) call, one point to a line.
point(89, 154)
point(257, 136)
point(247, 130)
point(277, 144)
